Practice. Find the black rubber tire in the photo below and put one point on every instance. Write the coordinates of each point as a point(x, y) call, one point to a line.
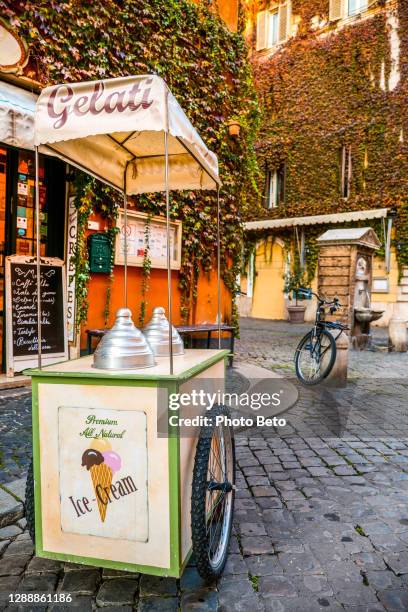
point(327, 370)
point(198, 500)
point(29, 502)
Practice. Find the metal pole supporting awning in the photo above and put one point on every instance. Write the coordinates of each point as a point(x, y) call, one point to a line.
point(132, 134)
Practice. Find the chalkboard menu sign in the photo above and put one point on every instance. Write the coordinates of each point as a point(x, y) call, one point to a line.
point(21, 294)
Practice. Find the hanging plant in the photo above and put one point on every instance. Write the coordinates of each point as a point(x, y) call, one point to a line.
point(146, 269)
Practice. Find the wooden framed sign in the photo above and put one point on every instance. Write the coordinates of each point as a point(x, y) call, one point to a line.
point(21, 312)
point(139, 233)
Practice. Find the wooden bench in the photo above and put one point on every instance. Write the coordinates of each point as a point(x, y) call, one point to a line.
point(184, 330)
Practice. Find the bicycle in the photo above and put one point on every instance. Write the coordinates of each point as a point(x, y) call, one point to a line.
point(316, 352)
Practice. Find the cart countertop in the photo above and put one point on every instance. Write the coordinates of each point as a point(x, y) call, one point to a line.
point(186, 366)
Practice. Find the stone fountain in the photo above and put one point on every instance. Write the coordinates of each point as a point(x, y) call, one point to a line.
point(345, 271)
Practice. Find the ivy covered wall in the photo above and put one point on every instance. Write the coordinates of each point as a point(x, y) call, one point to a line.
point(332, 87)
point(205, 66)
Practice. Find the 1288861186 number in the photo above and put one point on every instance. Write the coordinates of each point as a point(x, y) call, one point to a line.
point(40, 598)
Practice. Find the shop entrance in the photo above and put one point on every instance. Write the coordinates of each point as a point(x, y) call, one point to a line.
point(17, 216)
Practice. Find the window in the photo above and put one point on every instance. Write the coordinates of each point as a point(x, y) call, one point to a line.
point(275, 186)
point(345, 171)
point(357, 6)
point(273, 26)
point(340, 9)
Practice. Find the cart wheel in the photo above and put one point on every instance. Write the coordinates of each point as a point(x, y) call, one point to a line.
point(212, 501)
point(29, 502)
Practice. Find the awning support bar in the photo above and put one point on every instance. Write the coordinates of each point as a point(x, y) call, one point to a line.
point(38, 257)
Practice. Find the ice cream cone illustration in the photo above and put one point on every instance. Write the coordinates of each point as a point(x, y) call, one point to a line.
point(101, 479)
point(102, 466)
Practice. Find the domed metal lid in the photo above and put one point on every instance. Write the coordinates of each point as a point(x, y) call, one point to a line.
point(124, 347)
point(157, 334)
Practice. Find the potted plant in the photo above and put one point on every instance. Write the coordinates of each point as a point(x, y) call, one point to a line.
point(293, 281)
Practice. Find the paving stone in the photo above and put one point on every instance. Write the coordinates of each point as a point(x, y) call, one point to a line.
point(191, 579)
point(269, 502)
point(263, 565)
point(380, 580)
point(368, 561)
point(82, 603)
point(10, 509)
point(201, 599)
point(237, 586)
point(17, 488)
point(38, 565)
point(157, 585)
point(256, 545)
point(154, 604)
point(276, 586)
point(398, 562)
point(8, 585)
point(235, 565)
point(83, 582)
point(22, 545)
point(14, 565)
point(353, 594)
point(9, 532)
point(45, 583)
point(316, 585)
point(252, 529)
point(22, 523)
point(3, 545)
point(263, 491)
point(394, 600)
point(116, 592)
point(301, 563)
point(255, 481)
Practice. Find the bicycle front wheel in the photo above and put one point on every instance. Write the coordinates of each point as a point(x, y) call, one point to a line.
point(315, 357)
point(213, 492)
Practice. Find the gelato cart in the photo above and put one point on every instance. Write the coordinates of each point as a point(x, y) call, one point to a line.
point(116, 481)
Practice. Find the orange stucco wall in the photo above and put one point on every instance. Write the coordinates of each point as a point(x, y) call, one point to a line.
point(205, 310)
point(228, 10)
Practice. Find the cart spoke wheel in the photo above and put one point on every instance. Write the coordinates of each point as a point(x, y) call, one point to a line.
point(213, 496)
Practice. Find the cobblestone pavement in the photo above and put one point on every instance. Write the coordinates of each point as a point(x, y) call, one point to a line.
point(321, 518)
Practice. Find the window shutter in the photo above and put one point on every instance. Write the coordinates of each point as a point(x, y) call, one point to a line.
point(283, 21)
point(336, 10)
point(262, 30)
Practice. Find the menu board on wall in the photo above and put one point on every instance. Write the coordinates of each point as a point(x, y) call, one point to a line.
point(21, 312)
point(140, 233)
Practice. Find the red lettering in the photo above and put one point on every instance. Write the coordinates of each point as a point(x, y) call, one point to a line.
point(98, 93)
point(79, 104)
point(118, 105)
point(63, 115)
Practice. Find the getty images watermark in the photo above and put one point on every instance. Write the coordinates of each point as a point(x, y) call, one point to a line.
point(200, 399)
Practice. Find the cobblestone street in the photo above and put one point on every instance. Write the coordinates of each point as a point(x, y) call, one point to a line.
point(321, 515)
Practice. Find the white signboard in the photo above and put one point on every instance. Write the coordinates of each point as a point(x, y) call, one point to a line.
point(72, 223)
point(137, 243)
point(103, 472)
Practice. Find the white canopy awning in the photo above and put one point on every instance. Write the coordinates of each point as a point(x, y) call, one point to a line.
point(359, 215)
point(17, 108)
point(114, 129)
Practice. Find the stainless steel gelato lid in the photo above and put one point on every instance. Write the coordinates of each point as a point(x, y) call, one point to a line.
point(124, 347)
point(157, 334)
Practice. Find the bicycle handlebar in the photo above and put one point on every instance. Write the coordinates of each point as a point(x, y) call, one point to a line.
point(308, 293)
